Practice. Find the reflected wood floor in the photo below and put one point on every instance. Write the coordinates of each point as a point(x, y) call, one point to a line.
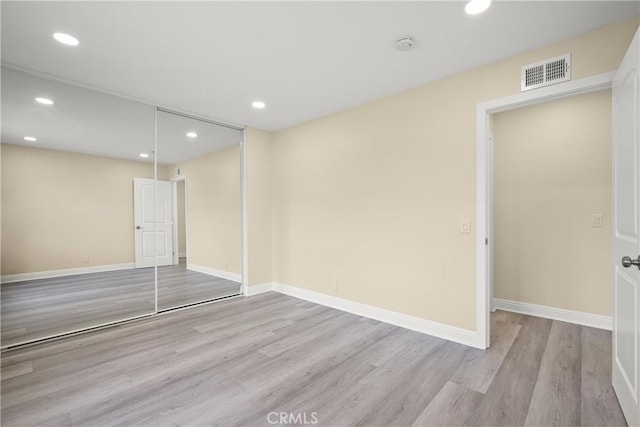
point(37, 308)
point(234, 362)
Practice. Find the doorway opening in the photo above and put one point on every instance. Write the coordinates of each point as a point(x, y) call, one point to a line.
point(551, 191)
point(484, 191)
point(180, 253)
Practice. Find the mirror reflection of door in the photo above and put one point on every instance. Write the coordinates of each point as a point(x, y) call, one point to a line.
point(202, 160)
point(164, 223)
point(68, 232)
point(144, 221)
point(153, 224)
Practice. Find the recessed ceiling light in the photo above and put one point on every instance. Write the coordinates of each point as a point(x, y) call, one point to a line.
point(475, 7)
point(66, 39)
point(45, 101)
point(258, 104)
point(192, 134)
point(30, 138)
point(144, 155)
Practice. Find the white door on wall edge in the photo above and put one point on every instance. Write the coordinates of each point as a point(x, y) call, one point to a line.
point(153, 228)
point(626, 233)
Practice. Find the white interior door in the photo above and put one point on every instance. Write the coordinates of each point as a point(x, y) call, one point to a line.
point(144, 219)
point(153, 234)
point(626, 239)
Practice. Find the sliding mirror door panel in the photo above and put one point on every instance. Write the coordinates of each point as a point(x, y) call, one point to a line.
point(74, 208)
point(199, 212)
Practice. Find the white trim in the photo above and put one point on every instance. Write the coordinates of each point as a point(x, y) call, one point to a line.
point(174, 221)
point(21, 277)
point(561, 90)
point(245, 239)
point(177, 255)
point(214, 272)
point(260, 289)
point(440, 330)
point(570, 316)
point(155, 207)
point(490, 228)
point(483, 206)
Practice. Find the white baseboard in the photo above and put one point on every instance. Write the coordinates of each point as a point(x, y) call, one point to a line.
point(236, 277)
point(447, 332)
point(21, 277)
point(260, 289)
point(570, 316)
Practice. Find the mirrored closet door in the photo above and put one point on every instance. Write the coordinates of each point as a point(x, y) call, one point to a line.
point(76, 167)
point(199, 210)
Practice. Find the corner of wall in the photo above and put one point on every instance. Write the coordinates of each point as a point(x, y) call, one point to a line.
point(259, 206)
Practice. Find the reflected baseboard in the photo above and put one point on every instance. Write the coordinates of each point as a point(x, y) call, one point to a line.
point(21, 277)
point(236, 277)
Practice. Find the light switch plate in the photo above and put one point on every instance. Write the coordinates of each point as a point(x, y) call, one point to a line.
point(465, 225)
point(596, 220)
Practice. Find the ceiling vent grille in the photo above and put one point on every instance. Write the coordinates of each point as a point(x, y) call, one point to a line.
point(545, 73)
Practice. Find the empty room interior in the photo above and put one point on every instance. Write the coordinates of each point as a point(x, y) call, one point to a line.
point(322, 213)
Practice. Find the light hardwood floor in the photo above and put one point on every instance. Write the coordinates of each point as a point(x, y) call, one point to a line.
point(237, 361)
point(37, 308)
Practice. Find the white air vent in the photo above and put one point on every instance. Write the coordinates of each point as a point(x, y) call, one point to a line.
point(545, 73)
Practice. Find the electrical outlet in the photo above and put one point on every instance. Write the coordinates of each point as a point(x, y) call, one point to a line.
point(465, 225)
point(334, 285)
point(85, 259)
point(596, 220)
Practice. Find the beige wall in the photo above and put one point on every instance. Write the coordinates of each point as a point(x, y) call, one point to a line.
point(552, 172)
point(373, 196)
point(182, 230)
point(259, 206)
point(214, 224)
point(59, 207)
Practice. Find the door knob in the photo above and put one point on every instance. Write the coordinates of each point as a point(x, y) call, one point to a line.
point(140, 228)
point(628, 262)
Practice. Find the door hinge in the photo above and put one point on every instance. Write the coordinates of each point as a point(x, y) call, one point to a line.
point(486, 241)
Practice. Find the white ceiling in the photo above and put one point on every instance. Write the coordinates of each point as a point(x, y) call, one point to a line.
point(89, 122)
point(305, 59)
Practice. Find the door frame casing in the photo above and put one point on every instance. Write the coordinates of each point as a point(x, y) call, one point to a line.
point(244, 214)
point(484, 184)
point(176, 252)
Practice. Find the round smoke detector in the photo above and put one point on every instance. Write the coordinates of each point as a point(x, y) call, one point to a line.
point(404, 44)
